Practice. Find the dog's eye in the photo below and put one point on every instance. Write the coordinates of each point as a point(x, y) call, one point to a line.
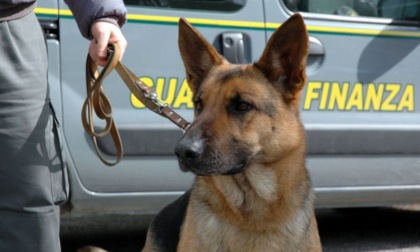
point(242, 107)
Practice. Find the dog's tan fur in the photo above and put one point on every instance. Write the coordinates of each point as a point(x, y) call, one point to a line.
point(252, 192)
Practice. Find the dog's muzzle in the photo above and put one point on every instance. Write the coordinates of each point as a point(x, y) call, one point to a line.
point(189, 154)
point(193, 157)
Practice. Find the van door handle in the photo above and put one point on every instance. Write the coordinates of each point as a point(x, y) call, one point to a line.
point(235, 47)
point(50, 29)
point(316, 55)
point(316, 48)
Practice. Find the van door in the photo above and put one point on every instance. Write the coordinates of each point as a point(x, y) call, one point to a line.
point(236, 27)
point(360, 106)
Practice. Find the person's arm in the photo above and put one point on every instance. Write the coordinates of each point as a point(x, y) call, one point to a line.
point(100, 21)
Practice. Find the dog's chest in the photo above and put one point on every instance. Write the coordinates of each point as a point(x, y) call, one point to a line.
point(216, 235)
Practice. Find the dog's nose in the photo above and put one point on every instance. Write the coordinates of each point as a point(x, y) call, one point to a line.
point(189, 152)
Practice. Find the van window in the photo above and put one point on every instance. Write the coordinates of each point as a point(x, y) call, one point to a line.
point(211, 5)
point(395, 9)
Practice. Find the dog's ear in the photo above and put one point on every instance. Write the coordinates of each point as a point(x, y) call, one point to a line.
point(198, 55)
point(284, 58)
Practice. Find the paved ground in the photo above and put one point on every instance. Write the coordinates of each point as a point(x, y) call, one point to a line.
point(370, 230)
point(364, 230)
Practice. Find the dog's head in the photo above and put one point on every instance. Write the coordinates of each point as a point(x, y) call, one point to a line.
point(244, 114)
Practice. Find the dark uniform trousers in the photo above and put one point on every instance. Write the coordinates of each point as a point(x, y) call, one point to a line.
point(33, 180)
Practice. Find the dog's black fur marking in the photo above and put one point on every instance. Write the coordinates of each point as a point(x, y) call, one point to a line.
point(168, 222)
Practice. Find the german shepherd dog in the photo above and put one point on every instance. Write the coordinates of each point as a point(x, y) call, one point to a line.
point(246, 147)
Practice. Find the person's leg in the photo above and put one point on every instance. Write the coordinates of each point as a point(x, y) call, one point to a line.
point(31, 169)
point(30, 231)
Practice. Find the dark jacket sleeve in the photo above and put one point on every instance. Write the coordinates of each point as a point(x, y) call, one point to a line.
point(87, 11)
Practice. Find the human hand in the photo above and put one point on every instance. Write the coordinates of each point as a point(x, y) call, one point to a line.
point(104, 33)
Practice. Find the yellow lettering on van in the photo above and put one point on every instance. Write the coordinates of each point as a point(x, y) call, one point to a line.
point(324, 96)
point(311, 94)
point(167, 92)
point(393, 90)
point(356, 98)
point(170, 95)
point(374, 96)
point(361, 97)
point(338, 96)
point(407, 99)
point(184, 96)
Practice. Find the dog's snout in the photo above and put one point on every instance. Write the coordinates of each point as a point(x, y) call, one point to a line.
point(189, 152)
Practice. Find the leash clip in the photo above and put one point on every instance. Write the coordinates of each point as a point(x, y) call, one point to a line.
point(153, 97)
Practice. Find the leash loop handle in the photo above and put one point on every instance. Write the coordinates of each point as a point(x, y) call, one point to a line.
point(98, 103)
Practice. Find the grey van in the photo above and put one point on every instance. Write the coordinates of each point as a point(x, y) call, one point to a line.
point(360, 107)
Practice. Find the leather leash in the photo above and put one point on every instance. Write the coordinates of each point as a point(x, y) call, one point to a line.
point(98, 103)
